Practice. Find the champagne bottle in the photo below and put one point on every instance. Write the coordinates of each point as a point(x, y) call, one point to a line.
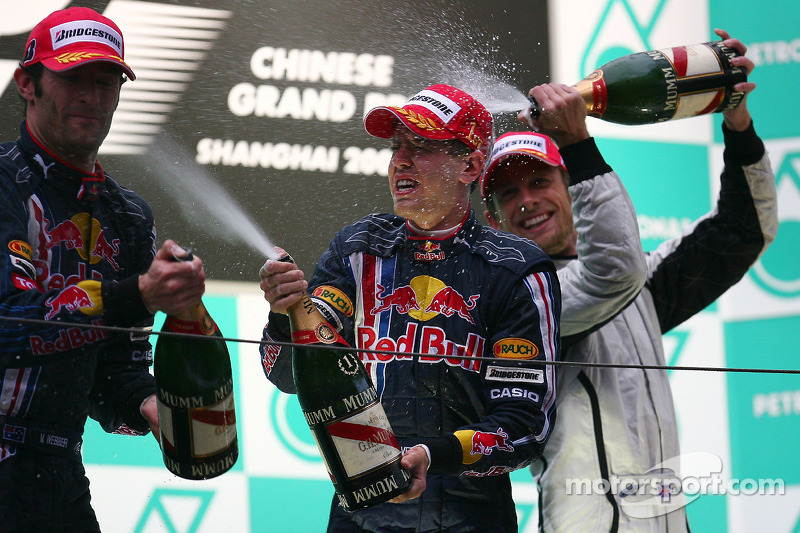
point(194, 390)
point(661, 85)
point(343, 411)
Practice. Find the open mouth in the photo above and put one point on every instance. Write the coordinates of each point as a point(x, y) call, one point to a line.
point(404, 185)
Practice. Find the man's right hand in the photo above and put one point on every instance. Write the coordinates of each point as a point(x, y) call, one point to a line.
point(171, 286)
point(562, 113)
point(282, 283)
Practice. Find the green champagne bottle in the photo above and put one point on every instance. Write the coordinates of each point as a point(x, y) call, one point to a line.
point(661, 85)
point(342, 409)
point(194, 390)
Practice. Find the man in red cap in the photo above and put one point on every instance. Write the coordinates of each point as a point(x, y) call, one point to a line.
point(79, 249)
point(619, 424)
point(435, 289)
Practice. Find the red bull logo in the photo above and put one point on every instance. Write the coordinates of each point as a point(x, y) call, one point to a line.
point(429, 251)
point(429, 340)
point(72, 298)
point(404, 299)
point(83, 234)
point(67, 339)
point(493, 471)
point(106, 250)
point(424, 298)
point(485, 443)
point(66, 233)
point(269, 353)
point(449, 301)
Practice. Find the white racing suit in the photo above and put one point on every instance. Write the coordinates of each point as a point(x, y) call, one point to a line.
point(618, 423)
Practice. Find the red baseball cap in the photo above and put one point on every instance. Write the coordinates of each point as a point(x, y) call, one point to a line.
point(440, 112)
point(526, 143)
point(73, 37)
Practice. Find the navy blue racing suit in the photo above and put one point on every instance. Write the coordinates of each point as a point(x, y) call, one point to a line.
point(476, 292)
point(73, 246)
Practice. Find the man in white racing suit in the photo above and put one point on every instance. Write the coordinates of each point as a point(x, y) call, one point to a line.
point(620, 422)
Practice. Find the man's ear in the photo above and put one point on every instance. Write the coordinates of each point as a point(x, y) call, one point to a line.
point(490, 219)
point(474, 166)
point(25, 85)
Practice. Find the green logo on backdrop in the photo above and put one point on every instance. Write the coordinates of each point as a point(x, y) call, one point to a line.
point(291, 427)
point(778, 271)
point(642, 28)
point(178, 511)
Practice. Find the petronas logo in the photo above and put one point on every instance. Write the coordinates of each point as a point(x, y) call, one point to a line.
point(175, 511)
point(778, 271)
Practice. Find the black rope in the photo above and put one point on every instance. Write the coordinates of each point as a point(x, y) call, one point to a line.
point(148, 331)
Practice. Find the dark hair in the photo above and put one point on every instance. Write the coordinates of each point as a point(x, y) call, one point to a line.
point(35, 72)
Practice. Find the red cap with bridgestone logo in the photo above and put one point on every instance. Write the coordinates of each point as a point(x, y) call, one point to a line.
point(73, 37)
point(526, 143)
point(440, 112)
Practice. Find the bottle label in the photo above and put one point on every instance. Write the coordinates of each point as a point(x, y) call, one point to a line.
point(364, 441)
point(213, 428)
point(699, 79)
point(322, 333)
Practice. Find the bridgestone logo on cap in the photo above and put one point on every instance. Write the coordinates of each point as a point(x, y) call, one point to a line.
point(440, 105)
point(517, 142)
point(82, 31)
point(502, 373)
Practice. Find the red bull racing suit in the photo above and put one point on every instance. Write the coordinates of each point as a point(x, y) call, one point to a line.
point(619, 424)
point(73, 247)
point(477, 292)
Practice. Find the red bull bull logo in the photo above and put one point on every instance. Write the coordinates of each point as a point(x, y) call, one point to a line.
point(72, 298)
point(449, 301)
point(429, 251)
point(484, 443)
point(106, 250)
point(424, 298)
point(404, 299)
point(83, 234)
point(66, 234)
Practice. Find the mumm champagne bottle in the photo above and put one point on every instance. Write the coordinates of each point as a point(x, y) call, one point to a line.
point(661, 85)
point(342, 409)
point(194, 389)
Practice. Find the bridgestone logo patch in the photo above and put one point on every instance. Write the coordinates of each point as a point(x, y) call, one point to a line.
point(85, 31)
point(502, 373)
point(442, 106)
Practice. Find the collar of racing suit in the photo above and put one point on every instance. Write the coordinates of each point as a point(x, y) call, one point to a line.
point(422, 247)
point(47, 166)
